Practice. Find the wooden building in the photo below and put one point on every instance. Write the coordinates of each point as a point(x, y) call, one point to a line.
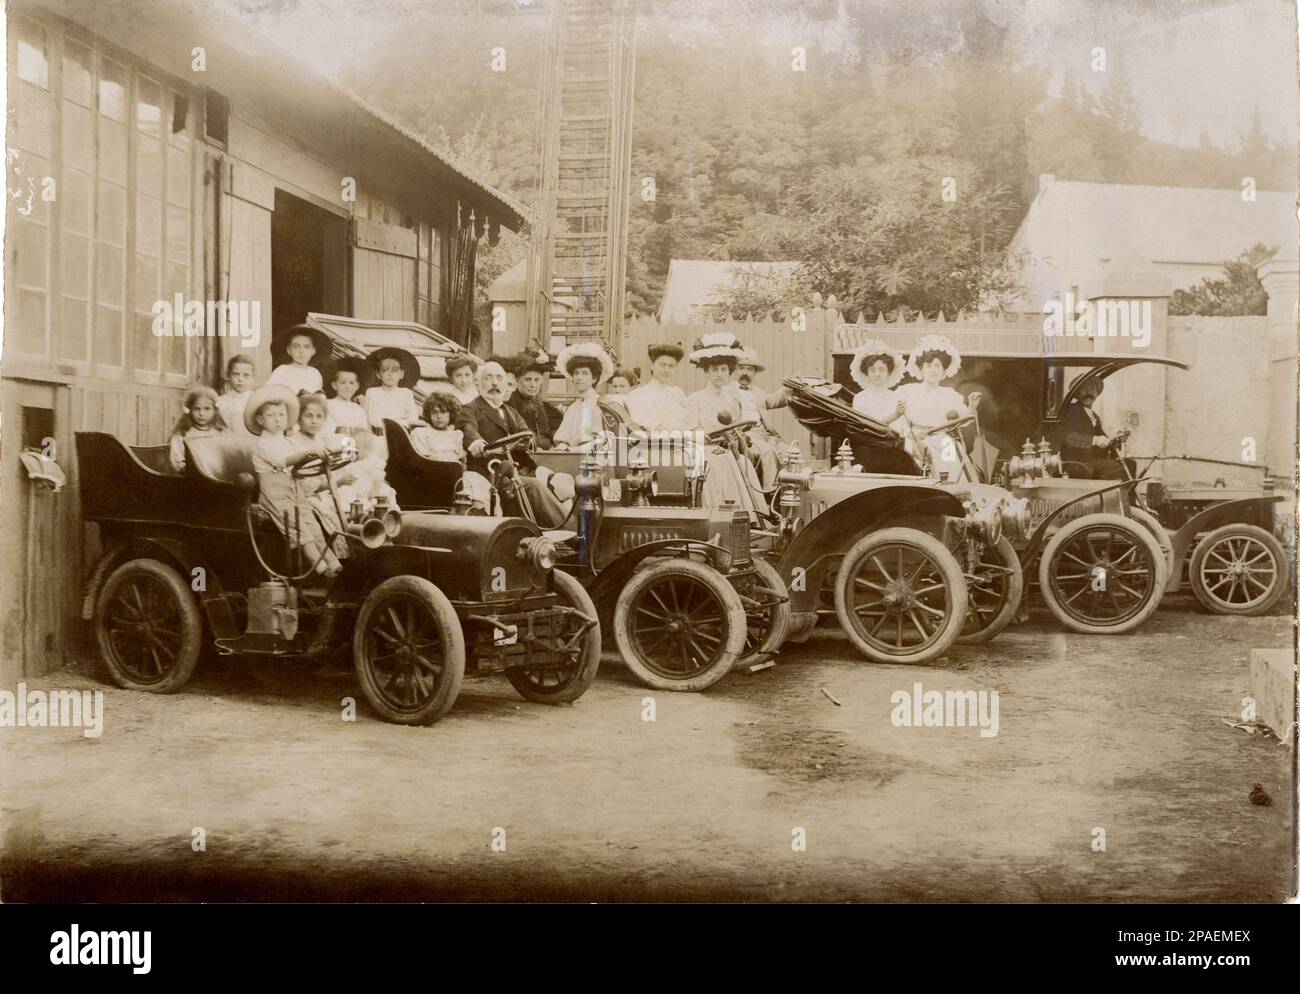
point(157, 148)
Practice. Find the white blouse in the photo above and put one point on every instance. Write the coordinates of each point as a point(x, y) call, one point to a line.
point(657, 407)
point(344, 415)
point(878, 403)
point(297, 378)
point(396, 404)
point(929, 407)
point(231, 406)
point(582, 421)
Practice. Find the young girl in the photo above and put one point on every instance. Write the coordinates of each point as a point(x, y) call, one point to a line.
point(201, 419)
point(434, 437)
point(269, 413)
point(460, 369)
point(300, 343)
point(239, 382)
point(313, 433)
point(351, 376)
point(398, 372)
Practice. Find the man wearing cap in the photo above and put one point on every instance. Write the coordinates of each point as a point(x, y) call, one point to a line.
point(767, 449)
point(1085, 443)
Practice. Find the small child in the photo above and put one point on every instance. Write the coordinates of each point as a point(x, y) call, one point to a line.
point(240, 372)
point(434, 437)
point(344, 407)
point(268, 416)
point(311, 434)
point(393, 398)
point(460, 369)
point(201, 419)
point(298, 374)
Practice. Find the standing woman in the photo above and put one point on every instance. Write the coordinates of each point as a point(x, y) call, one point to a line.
point(730, 477)
point(587, 366)
point(929, 403)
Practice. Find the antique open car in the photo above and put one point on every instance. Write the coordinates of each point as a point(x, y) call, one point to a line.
point(189, 560)
point(674, 583)
point(908, 564)
point(1217, 540)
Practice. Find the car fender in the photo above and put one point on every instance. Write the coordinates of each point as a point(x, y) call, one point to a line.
point(172, 551)
point(1212, 517)
point(614, 577)
point(1039, 537)
point(829, 535)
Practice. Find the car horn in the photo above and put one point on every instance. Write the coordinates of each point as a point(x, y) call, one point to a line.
point(372, 532)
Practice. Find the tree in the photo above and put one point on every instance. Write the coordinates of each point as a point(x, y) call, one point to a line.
point(1237, 292)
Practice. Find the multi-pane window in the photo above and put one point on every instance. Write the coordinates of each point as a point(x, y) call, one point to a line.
point(111, 145)
point(429, 277)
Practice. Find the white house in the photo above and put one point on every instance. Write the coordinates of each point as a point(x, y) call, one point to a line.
point(695, 286)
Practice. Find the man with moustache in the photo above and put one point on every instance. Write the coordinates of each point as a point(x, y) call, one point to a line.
point(488, 419)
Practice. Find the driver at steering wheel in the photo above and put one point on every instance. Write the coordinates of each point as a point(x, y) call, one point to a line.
point(1086, 444)
point(929, 404)
point(486, 420)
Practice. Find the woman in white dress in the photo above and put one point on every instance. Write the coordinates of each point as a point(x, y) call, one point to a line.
point(659, 404)
point(587, 366)
point(929, 403)
point(730, 476)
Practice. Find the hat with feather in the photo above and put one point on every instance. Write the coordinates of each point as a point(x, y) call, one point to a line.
point(587, 354)
point(716, 345)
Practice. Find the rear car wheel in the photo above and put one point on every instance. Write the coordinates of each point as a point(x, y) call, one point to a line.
point(767, 613)
point(148, 627)
point(569, 678)
point(993, 594)
point(409, 651)
point(900, 596)
point(679, 625)
point(1239, 569)
point(1102, 574)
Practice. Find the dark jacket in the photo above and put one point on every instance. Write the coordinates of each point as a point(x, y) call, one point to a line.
point(478, 419)
point(535, 415)
point(1076, 438)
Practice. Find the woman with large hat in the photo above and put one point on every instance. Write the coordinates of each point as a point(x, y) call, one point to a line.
point(586, 365)
point(534, 367)
point(714, 406)
point(877, 369)
point(929, 404)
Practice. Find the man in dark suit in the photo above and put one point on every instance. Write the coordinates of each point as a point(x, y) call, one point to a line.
point(487, 419)
point(1085, 443)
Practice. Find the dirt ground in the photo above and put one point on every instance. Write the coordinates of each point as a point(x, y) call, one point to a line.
point(1122, 734)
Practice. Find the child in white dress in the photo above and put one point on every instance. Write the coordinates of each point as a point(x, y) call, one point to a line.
point(349, 378)
point(301, 344)
point(240, 373)
point(200, 419)
point(434, 437)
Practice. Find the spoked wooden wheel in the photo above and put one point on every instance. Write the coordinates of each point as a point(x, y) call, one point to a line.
point(409, 651)
point(1239, 569)
point(567, 679)
point(767, 613)
point(679, 625)
point(148, 627)
point(900, 596)
point(993, 593)
point(1102, 574)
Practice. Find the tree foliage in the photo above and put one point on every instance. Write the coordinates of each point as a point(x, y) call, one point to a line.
point(1237, 292)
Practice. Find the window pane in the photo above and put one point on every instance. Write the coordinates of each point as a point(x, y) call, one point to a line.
point(148, 106)
point(180, 118)
point(76, 202)
point(109, 284)
point(78, 137)
point(33, 122)
point(33, 54)
point(176, 355)
point(148, 226)
point(112, 90)
point(76, 72)
point(112, 153)
point(31, 322)
point(26, 178)
point(74, 330)
point(148, 166)
point(112, 214)
point(75, 266)
point(108, 336)
point(147, 344)
point(178, 177)
point(147, 272)
point(33, 250)
point(178, 235)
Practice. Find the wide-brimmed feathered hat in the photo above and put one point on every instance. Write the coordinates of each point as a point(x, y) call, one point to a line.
point(348, 364)
point(867, 353)
point(410, 365)
point(666, 348)
point(716, 345)
point(280, 345)
point(934, 343)
point(749, 357)
point(271, 391)
point(586, 350)
point(535, 359)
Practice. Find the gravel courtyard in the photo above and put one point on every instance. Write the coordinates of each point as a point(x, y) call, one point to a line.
point(706, 802)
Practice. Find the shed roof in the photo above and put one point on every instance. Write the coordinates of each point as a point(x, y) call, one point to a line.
point(696, 283)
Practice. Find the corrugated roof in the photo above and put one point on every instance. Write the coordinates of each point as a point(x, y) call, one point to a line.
point(693, 284)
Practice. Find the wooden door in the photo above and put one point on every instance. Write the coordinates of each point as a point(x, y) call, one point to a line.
point(383, 271)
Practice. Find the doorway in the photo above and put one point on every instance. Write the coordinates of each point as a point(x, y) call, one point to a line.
point(308, 261)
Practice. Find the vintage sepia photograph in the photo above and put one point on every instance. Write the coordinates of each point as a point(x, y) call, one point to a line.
point(649, 451)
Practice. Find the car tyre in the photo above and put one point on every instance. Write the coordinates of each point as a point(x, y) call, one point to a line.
point(148, 627)
point(563, 684)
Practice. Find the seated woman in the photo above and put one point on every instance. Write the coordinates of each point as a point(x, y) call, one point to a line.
point(586, 366)
point(877, 368)
point(730, 476)
point(929, 404)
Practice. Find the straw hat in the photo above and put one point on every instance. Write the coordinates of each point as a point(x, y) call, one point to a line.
point(280, 345)
point(410, 366)
point(587, 350)
point(716, 345)
point(271, 391)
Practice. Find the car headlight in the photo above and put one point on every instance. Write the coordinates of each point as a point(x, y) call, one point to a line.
point(1017, 521)
point(540, 553)
point(986, 517)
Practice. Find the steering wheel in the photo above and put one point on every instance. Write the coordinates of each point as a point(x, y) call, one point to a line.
point(507, 442)
point(316, 466)
point(718, 434)
point(950, 426)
